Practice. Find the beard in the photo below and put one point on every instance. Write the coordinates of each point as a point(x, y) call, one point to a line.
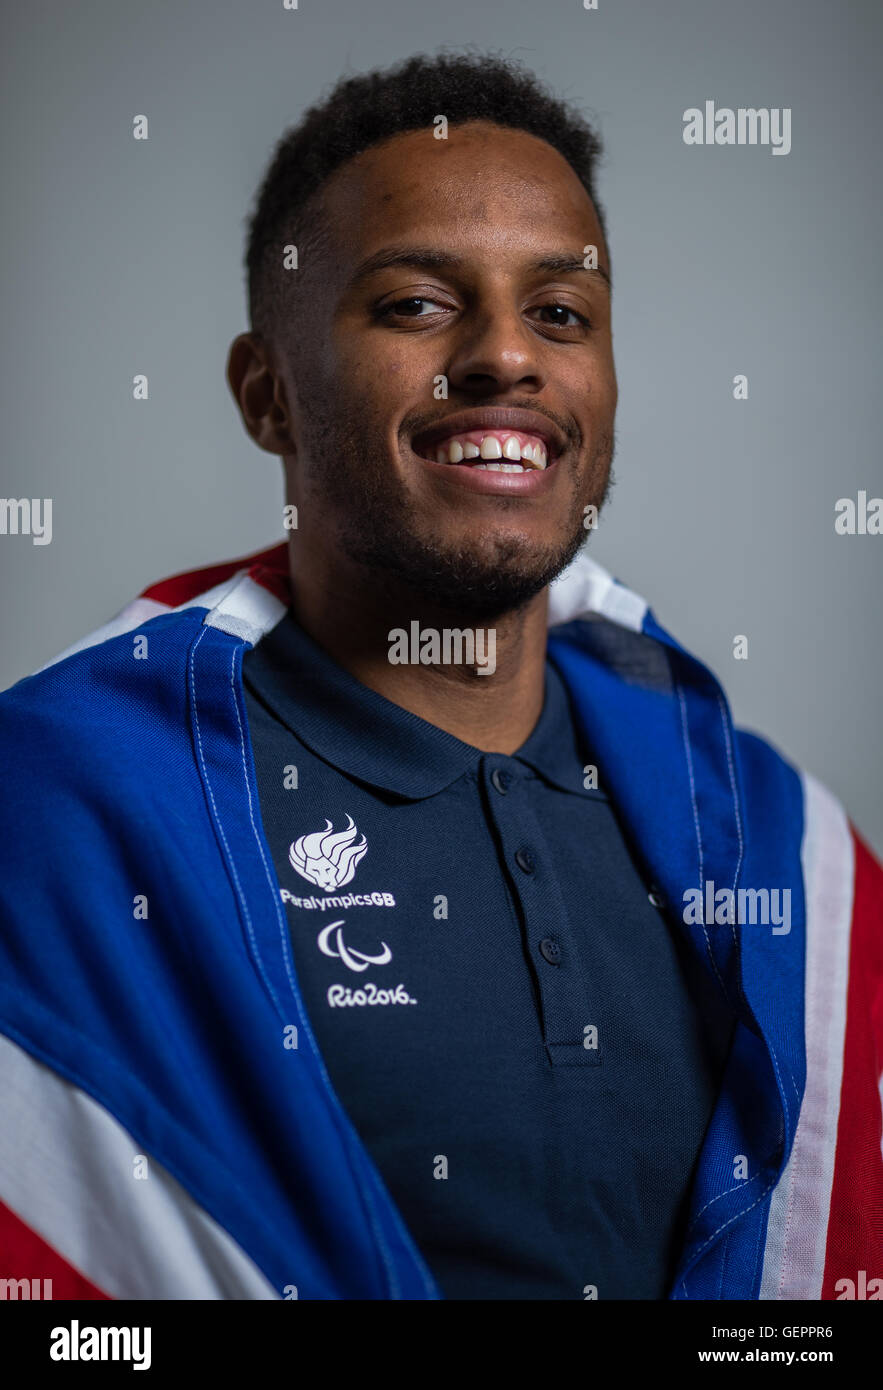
point(382, 529)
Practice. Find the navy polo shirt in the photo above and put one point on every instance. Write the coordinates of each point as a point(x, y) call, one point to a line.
point(521, 1039)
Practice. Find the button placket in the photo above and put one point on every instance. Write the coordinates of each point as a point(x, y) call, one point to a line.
point(567, 1013)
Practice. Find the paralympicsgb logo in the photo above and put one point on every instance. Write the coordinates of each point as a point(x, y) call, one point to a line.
point(328, 858)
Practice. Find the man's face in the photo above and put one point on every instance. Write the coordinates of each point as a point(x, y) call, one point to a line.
point(435, 272)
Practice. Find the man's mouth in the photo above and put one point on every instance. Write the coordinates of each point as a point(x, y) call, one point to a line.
point(499, 451)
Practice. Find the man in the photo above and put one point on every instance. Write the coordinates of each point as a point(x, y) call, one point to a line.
point(397, 913)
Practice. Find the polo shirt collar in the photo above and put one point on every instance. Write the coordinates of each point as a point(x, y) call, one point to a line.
point(377, 742)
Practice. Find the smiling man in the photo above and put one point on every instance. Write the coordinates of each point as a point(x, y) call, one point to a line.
point(458, 261)
point(401, 970)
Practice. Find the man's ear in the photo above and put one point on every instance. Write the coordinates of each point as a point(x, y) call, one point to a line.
point(259, 392)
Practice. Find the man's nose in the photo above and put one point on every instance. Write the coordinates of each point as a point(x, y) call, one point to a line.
point(496, 351)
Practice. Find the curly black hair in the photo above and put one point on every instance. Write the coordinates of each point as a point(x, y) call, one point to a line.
point(364, 110)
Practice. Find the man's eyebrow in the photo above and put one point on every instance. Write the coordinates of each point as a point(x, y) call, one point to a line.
point(430, 258)
point(420, 257)
point(565, 265)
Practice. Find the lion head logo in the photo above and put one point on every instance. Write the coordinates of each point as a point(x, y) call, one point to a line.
point(326, 858)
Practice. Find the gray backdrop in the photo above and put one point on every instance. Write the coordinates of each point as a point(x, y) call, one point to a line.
point(123, 257)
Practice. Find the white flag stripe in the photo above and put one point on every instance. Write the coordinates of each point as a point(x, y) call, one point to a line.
point(243, 607)
point(139, 611)
point(67, 1169)
point(247, 610)
point(794, 1258)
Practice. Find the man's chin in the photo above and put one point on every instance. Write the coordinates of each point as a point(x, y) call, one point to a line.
point(478, 584)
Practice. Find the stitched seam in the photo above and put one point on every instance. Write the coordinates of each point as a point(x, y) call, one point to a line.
point(731, 772)
point(688, 750)
point(776, 1068)
point(720, 1196)
point(793, 1082)
point(732, 775)
point(685, 732)
point(723, 1261)
point(240, 894)
point(790, 1212)
point(744, 1212)
point(759, 1246)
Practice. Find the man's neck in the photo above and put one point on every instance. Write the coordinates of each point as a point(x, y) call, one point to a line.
point(493, 703)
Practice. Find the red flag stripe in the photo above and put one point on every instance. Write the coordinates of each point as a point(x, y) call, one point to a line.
point(182, 588)
point(855, 1226)
point(26, 1255)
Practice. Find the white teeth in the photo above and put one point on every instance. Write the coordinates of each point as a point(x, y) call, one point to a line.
point(511, 448)
point(519, 456)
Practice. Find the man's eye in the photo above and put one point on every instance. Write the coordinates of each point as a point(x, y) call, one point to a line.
point(410, 308)
point(559, 314)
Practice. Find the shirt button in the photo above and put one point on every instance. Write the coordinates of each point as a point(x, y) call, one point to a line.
point(525, 860)
point(501, 779)
point(550, 950)
point(655, 896)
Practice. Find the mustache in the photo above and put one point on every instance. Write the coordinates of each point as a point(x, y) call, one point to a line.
point(415, 424)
